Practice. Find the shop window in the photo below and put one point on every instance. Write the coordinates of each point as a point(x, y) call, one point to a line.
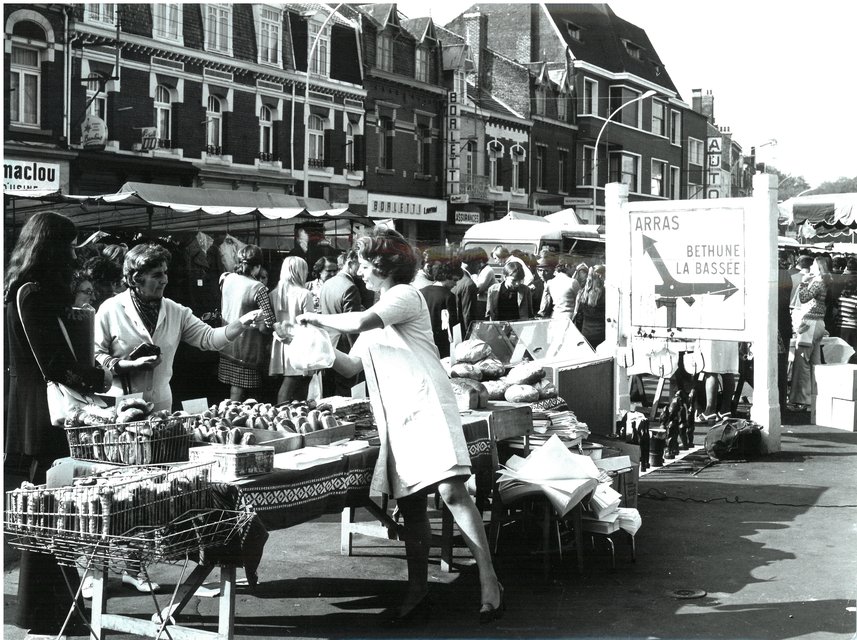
point(384, 52)
point(218, 27)
point(163, 115)
point(167, 21)
point(25, 86)
point(321, 55)
point(269, 35)
point(266, 134)
point(214, 128)
point(316, 142)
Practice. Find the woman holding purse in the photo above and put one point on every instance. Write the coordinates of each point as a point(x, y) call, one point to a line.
point(38, 299)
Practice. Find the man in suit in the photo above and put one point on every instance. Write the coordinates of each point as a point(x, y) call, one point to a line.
point(340, 294)
point(465, 292)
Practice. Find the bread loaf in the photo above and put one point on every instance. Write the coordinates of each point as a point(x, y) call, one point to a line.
point(525, 373)
point(496, 389)
point(471, 351)
point(491, 368)
point(465, 370)
point(522, 393)
point(464, 388)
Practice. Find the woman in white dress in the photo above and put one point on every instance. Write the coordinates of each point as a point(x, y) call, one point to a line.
point(422, 442)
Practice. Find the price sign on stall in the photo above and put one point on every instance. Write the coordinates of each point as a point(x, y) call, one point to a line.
point(689, 270)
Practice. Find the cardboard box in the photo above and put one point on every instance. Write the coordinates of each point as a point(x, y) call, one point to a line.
point(843, 415)
point(281, 442)
point(342, 431)
point(836, 380)
point(822, 410)
point(235, 461)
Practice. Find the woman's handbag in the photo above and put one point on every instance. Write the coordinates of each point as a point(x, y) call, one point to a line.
point(62, 400)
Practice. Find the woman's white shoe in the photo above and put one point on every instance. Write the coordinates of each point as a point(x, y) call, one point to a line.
point(139, 584)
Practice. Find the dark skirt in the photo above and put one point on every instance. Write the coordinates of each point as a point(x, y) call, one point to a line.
point(232, 373)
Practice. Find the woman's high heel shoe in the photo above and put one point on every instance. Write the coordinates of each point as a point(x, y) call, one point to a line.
point(489, 612)
point(418, 613)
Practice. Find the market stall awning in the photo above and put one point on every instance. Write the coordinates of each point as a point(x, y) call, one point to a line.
point(835, 211)
point(139, 205)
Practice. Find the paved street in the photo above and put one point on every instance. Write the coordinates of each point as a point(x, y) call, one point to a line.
point(770, 543)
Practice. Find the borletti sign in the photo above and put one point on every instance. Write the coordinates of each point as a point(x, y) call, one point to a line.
point(30, 176)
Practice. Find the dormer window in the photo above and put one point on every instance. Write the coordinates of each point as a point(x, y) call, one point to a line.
point(632, 49)
point(218, 28)
point(384, 52)
point(100, 13)
point(573, 30)
point(321, 54)
point(269, 35)
point(422, 64)
point(541, 99)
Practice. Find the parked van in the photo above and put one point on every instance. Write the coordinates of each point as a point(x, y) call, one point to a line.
point(560, 232)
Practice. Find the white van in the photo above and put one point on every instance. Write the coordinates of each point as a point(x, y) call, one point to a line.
point(560, 232)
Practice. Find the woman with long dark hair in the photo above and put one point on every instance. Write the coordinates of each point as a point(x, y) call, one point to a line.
point(423, 448)
point(38, 295)
point(592, 307)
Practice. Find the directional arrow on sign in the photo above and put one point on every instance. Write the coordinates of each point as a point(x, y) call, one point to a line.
point(685, 290)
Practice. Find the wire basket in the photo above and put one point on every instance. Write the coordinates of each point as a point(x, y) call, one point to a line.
point(153, 441)
point(121, 507)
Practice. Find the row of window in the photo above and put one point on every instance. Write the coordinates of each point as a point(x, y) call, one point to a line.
point(632, 115)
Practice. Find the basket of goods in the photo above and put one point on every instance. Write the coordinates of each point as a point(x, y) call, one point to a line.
point(129, 434)
point(124, 515)
point(285, 426)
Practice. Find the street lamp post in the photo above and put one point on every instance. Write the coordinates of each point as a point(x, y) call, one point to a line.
point(306, 96)
point(648, 94)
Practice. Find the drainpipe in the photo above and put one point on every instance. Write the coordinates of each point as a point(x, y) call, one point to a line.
point(292, 134)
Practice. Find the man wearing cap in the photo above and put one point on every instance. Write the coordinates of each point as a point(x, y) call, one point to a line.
point(560, 292)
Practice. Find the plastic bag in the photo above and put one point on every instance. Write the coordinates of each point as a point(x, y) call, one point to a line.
point(310, 348)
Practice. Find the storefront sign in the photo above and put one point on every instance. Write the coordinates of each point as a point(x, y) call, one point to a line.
point(461, 198)
point(715, 150)
point(467, 217)
point(148, 138)
point(93, 132)
point(30, 176)
point(571, 201)
point(384, 206)
point(453, 146)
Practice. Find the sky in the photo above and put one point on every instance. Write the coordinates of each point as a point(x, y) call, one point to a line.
point(778, 69)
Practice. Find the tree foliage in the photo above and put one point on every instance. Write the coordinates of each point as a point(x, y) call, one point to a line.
point(790, 186)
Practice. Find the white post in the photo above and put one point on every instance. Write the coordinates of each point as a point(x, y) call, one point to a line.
point(618, 285)
point(762, 307)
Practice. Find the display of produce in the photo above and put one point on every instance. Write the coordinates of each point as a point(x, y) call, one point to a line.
point(129, 433)
point(234, 422)
point(475, 361)
point(113, 503)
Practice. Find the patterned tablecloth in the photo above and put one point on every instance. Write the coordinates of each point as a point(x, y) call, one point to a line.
point(284, 498)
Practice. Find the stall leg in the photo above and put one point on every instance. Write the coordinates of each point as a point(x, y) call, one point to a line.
point(99, 602)
point(226, 620)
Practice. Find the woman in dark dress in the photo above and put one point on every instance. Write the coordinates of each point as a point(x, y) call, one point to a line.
point(439, 299)
point(40, 270)
point(592, 306)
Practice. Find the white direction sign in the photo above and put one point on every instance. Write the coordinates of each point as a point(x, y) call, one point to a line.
point(689, 270)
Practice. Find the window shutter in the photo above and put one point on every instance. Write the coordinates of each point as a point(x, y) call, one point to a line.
point(328, 137)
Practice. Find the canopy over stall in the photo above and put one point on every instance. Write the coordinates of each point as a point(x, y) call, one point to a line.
point(270, 217)
point(823, 217)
